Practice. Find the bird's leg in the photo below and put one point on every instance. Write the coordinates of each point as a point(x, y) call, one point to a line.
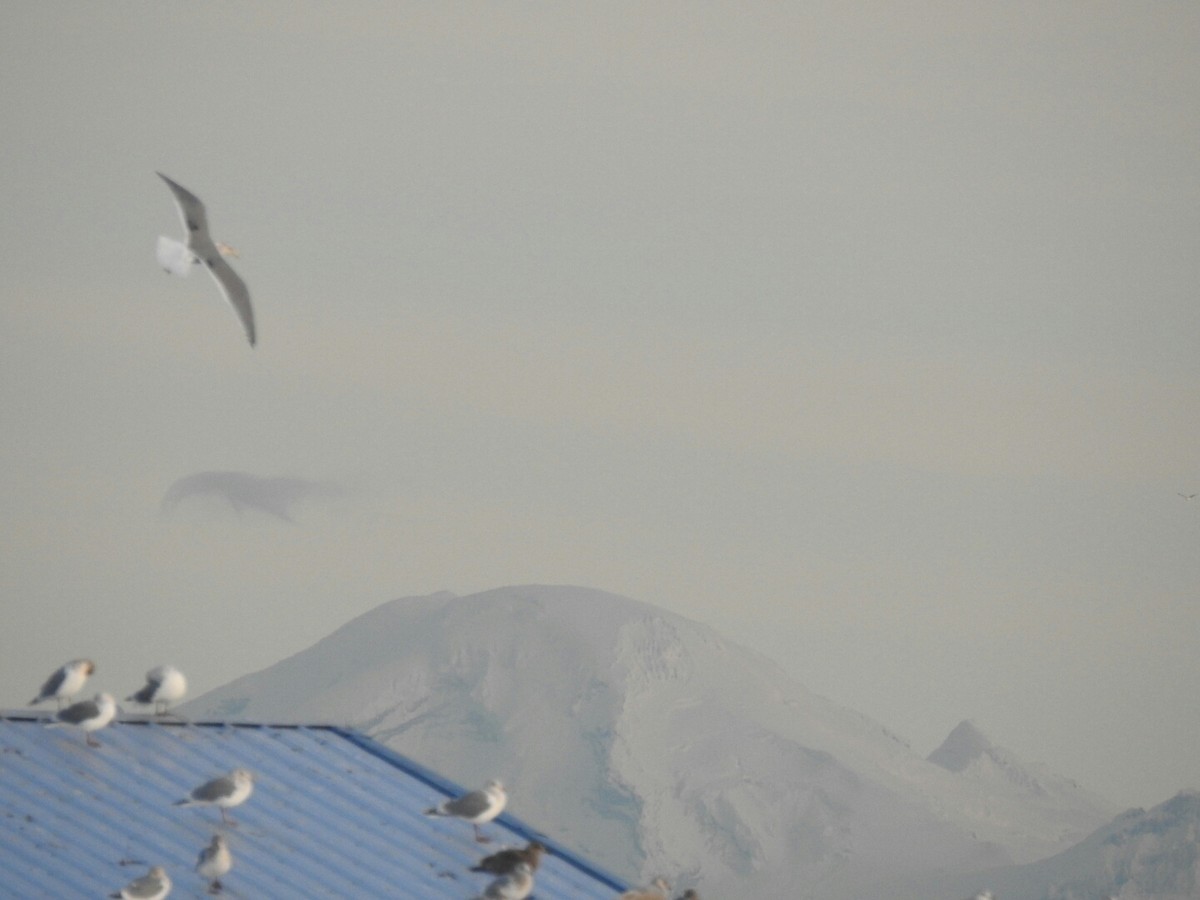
point(480, 837)
point(91, 741)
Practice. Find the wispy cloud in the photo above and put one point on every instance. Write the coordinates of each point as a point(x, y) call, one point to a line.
point(276, 496)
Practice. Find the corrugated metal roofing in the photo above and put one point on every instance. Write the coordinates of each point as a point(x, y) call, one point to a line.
point(333, 814)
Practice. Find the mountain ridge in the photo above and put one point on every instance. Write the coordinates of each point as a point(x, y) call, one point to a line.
point(648, 742)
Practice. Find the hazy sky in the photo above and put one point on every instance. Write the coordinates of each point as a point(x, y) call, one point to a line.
point(866, 334)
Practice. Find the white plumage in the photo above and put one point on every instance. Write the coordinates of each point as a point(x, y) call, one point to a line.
point(199, 248)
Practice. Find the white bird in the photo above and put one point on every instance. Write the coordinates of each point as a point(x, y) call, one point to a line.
point(224, 792)
point(66, 682)
point(164, 686)
point(154, 885)
point(658, 889)
point(214, 861)
point(516, 885)
point(178, 258)
point(477, 807)
point(87, 716)
point(1187, 496)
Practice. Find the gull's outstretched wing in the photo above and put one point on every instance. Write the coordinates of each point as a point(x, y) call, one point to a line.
point(232, 287)
point(195, 222)
point(191, 210)
point(174, 256)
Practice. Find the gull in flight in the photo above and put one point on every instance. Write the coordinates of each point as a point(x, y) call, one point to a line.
point(66, 682)
point(178, 257)
point(1187, 496)
point(154, 885)
point(87, 716)
point(224, 792)
point(478, 807)
point(214, 861)
point(164, 685)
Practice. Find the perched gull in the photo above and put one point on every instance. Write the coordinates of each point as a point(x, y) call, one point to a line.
point(164, 685)
point(516, 885)
point(225, 792)
point(477, 807)
point(87, 716)
point(506, 861)
point(657, 890)
point(66, 682)
point(214, 861)
point(178, 258)
point(154, 885)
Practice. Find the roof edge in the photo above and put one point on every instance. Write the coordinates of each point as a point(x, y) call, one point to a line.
point(451, 789)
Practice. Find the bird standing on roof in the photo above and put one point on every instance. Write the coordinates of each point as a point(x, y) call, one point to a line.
point(214, 861)
point(164, 686)
point(224, 793)
point(656, 890)
point(478, 807)
point(154, 885)
point(87, 716)
point(178, 258)
point(506, 861)
point(516, 885)
point(66, 682)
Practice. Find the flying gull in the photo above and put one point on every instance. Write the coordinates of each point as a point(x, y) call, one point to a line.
point(1187, 496)
point(178, 258)
point(224, 792)
point(87, 716)
point(154, 885)
point(66, 682)
point(658, 889)
point(164, 685)
point(214, 861)
point(506, 861)
point(478, 807)
point(516, 885)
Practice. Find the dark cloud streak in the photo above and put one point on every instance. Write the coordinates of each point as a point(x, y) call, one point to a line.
point(275, 496)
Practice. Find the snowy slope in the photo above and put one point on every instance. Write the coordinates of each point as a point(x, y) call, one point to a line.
point(1015, 793)
point(650, 744)
point(1140, 855)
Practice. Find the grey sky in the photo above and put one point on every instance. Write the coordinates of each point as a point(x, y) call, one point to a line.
point(866, 334)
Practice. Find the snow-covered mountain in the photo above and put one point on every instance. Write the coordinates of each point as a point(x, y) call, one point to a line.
point(1016, 792)
point(1140, 855)
point(646, 742)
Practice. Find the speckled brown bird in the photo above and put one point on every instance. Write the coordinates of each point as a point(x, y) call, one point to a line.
point(506, 861)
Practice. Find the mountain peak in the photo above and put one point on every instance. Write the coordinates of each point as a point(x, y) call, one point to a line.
point(650, 744)
point(962, 746)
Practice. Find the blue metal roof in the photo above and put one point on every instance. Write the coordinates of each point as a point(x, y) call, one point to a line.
point(333, 814)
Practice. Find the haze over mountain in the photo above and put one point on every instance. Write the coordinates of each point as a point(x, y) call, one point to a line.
point(650, 744)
